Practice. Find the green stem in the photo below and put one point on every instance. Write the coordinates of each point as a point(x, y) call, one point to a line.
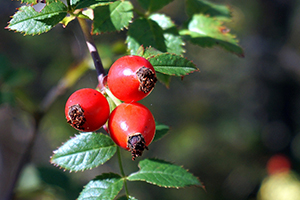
point(115, 99)
point(122, 172)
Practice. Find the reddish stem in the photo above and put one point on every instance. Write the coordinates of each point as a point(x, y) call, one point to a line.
point(92, 47)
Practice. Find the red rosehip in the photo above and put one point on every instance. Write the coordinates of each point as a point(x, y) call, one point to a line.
point(132, 127)
point(87, 110)
point(131, 78)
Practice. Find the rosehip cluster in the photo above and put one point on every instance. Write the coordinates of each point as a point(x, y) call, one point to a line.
point(131, 125)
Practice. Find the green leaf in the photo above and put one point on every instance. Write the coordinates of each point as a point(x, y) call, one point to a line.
point(150, 52)
point(161, 130)
point(173, 40)
point(207, 32)
point(84, 151)
point(65, 21)
point(140, 51)
point(145, 32)
point(32, 2)
point(153, 5)
point(28, 21)
point(164, 79)
point(112, 17)
point(78, 4)
point(163, 174)
point(105, 186)
point(171, 64)
point(125, 198)
point(221, 12)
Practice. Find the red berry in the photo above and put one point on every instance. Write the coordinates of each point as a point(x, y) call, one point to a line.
point(87, 110)
point(132, 127)
point(131, 78)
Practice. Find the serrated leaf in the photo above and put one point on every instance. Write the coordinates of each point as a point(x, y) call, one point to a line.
point(106, 186)
point(207, 32)
point(84, 151)
point(173, 40)
point(171, 64)
point(163, 174)
point(78, 4)
point(153, 5)
point(32, 2)
point(28, 1)
point(112, 17)
point(125, 198)
point(150, 52)
point(145, 32)
point(161, 130)
point(140, 51)
point(222, 12)
point(28, 21)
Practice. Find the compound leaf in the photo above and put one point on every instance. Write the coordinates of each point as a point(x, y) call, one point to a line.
point(105, 186)
point(222, 12)
point(84, 151)
point(145, 32)
point(207, 32)
point(112, 17)
point(28, 21)
point(163, 174)
point(153, 5)
point(171, 64)
point(173, 40)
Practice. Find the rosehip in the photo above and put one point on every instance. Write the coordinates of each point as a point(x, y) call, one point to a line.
point(131, 78)
point(87, 110)
point(132, 127)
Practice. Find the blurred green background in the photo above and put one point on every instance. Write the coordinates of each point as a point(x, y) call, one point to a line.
point(227, 121)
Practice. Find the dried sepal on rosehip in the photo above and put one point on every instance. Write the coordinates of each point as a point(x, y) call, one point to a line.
point(87, 110)
point(132, 127)
point(131, 78)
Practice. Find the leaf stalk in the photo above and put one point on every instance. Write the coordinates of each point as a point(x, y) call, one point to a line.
point(122, 172)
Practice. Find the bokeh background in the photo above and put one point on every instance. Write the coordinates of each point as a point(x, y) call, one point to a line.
point(232, 125)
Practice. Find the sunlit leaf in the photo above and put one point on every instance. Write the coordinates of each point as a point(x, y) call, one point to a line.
point(145, 32)
point(171, 64)
point(84, 151)
point(207, 32)
point(28, 21)
point(153, 5)
point(221, 12)
point(67, 20)
point(163, 174)
point(112, 17)
point(105, 186)
point(173, 40)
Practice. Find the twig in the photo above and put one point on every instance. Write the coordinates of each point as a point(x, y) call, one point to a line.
point(92, 47)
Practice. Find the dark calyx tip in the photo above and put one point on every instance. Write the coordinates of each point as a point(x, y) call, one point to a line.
point(76, 116)
point(136, 144)
point(147, 79)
